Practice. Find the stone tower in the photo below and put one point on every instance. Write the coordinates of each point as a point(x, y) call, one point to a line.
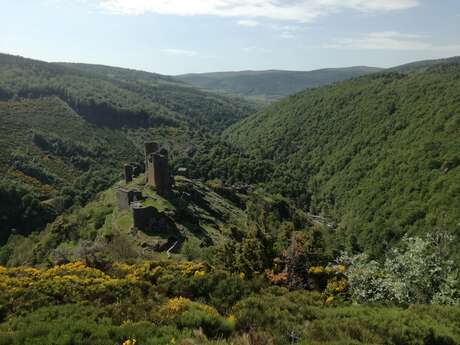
point(128, 172)
point(158, 174)
point(149, 148)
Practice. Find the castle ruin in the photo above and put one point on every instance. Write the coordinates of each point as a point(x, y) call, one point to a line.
point(156, 168)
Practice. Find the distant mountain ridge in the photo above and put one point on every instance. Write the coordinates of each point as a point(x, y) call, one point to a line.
point(272, 84)
point(423, 65)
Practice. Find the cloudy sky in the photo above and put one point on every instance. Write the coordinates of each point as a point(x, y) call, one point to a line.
point(180, 36)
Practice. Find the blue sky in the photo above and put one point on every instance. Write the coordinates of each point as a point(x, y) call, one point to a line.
point(182, 36)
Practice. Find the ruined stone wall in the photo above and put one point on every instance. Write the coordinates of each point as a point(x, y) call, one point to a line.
point(123, 199)
point(150, 220)
point(143, 217)
point(126, 197)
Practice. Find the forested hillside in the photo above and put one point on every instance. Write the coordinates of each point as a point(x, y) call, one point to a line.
point(380, 154)
point(67, 129)
point(274, 84)
point(420, 66)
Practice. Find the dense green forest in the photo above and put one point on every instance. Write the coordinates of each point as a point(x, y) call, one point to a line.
point(379, 154)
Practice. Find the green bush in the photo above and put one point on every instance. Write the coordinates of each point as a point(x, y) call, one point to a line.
point(78, 324)
point(417, 272)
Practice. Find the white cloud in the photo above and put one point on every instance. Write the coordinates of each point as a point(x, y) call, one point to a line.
point(302, 11)
point(248, 22)
point(389, 40)
point(180, 52)
point(287, 31)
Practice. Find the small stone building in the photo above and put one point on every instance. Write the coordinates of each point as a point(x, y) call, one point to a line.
point(126, 197)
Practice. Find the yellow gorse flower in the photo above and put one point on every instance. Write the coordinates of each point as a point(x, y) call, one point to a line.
point(177, 304)
point(199, 274)
point(342, 268)
point(316, 270)
point(231, 318)
point(130, 342)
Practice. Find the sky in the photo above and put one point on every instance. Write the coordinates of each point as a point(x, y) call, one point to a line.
point(192, 36)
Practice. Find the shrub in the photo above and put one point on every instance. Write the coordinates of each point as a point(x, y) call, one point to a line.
point(277, 311)
point(417, 272)
point(79, 324)
point(192, 315)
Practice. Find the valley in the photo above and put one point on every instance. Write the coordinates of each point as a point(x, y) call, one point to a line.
point(139, 208)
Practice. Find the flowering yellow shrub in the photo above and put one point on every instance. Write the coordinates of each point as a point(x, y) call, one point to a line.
point(25, 286)
point(153, 271)
point(333, 277)
point(337, 285)
point(193, 315)
point(176, 305)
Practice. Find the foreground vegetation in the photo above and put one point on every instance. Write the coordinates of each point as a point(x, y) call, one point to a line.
point(181, 302)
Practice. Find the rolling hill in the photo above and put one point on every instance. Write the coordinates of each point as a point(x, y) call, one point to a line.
point(271, 85)
point(380, 153)
point(420, 66)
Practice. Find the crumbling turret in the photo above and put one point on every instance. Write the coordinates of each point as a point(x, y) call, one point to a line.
point(128, 173)
point(149, 148)
point(158, 174)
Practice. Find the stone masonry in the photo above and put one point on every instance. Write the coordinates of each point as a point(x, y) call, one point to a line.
point(126, 197)
point(128, 172)
point(158, 174)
